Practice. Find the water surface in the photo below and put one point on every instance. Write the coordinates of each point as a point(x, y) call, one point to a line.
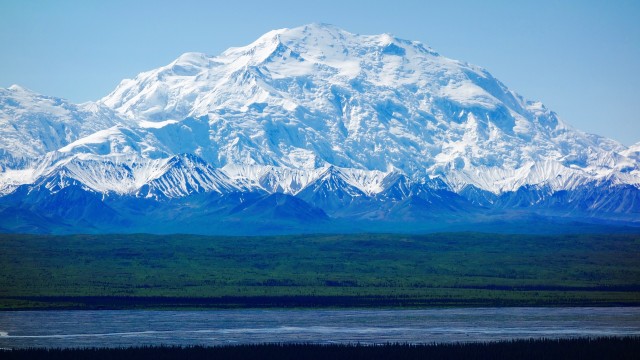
point(221, 327)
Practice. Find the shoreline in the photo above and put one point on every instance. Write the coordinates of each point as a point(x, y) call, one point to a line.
point(54, 303)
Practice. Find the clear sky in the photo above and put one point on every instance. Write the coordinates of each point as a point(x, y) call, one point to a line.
point(580, 58)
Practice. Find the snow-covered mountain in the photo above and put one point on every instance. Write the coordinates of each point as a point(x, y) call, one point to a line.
point(32, 125)
point(354, 126)
point(633, 152)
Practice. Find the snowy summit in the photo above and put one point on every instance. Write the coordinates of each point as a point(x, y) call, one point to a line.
point(303, 109)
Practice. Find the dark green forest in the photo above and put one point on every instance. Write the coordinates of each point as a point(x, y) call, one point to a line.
point(448, 269)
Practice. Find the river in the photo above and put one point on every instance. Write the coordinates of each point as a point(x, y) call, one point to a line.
point(106, 328)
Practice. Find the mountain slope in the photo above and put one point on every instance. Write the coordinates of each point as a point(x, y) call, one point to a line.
point(304, 123)
point(316, 95)
point(32, 124)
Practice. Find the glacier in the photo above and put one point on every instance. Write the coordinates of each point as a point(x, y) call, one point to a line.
point(305, 129)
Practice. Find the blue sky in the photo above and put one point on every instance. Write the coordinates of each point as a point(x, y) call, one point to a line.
point(578, 57)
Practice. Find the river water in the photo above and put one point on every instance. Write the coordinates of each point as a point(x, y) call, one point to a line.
point(223, 327)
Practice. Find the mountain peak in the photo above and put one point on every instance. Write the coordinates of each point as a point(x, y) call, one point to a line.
point(192, 59)
point(358, 125)
point(18, 88)
point(316, 95)
point(320, 26)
